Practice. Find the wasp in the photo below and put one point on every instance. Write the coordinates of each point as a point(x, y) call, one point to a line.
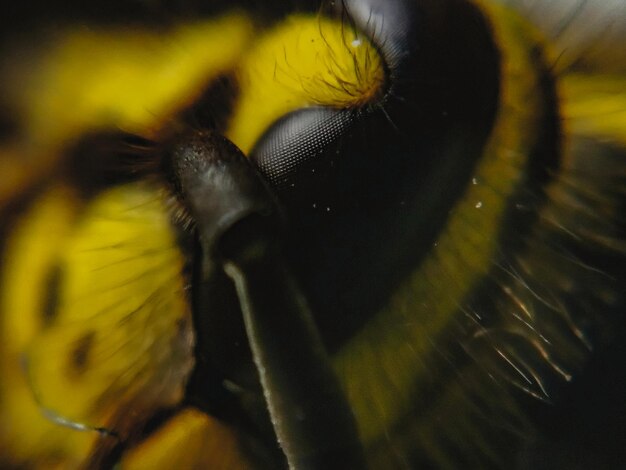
point(351, 234)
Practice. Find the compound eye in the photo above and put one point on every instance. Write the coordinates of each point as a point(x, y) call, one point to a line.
point(292, 145)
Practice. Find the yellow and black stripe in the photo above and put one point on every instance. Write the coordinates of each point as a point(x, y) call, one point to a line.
point(425, 244)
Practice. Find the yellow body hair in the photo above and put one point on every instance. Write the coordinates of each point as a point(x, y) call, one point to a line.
point(305, 61)
point(119, 334)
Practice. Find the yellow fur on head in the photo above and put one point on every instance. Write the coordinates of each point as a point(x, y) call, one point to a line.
point(305, 61)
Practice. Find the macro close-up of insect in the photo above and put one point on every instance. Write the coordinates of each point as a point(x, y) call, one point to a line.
point(313, 234)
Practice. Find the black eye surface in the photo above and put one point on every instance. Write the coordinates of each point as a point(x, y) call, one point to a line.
point(285, 149)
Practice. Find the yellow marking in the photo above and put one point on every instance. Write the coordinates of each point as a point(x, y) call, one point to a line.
point(129, 79)
point(305, 61)
point(191, 439)
point(122, 280)
point(34, 248)
point(121, 283)
point(595, 106)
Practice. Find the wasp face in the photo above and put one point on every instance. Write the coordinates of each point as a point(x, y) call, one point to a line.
point(362, 234)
